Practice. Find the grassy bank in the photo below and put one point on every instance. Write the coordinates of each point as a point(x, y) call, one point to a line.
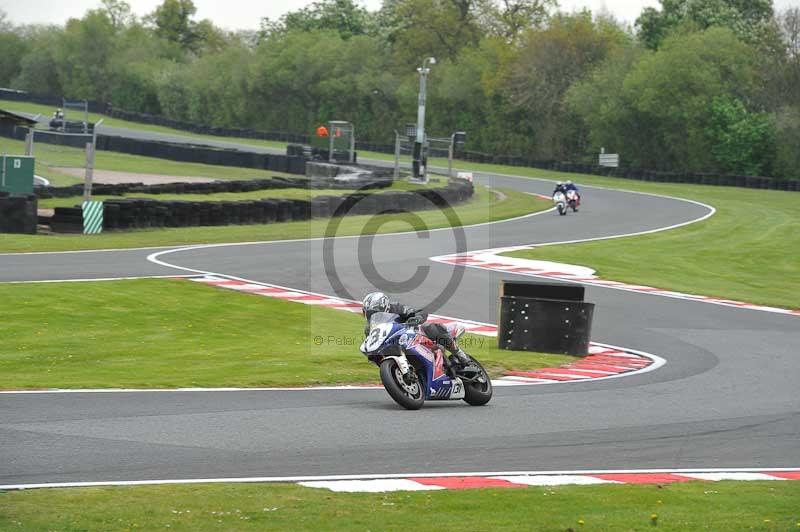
point(47, 111)
point(51, 159)
point(749, 250)
point(767, 506)
point(164, 333)
point(486, 206)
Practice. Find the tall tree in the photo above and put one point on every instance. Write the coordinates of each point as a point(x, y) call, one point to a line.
point(424, 28)
point(173, 21)
point(13, 48)
point(118, 12)
point(750, 20)
point(342, 16)
point(549, 62)
point(84, 56)
point(510, 18)
point(741, 142)
point(659, 114)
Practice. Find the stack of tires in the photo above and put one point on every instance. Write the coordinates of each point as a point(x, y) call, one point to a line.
point(135, 213)
point(67, 220)
point(18, 214)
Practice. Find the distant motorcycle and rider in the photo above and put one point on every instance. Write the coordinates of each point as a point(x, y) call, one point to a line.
point(566, 195)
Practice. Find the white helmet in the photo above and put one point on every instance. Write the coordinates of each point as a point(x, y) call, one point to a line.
point(569, 182)
point(560, 183)
point(374, 302)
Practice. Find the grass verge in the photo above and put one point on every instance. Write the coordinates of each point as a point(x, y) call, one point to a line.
point(748, 251)
point(485, 206)
point(47, 111)
point(50, 159)
point(165, 333)
point(725, 505)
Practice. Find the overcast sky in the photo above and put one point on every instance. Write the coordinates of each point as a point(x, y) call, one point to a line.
point(246, 14)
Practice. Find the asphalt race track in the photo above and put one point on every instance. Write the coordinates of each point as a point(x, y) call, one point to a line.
point(726, 398)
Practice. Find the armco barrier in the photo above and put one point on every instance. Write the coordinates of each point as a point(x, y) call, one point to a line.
point(136, 213)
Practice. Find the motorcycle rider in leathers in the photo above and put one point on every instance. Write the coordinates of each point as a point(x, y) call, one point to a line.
point(380, 302)
point(569, 185)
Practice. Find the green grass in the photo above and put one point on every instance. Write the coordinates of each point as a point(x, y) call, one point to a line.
point(484, 207)
point(767, 506)
point(749, 250)
point(165, 333)
point(47, 112)
point(50, 158)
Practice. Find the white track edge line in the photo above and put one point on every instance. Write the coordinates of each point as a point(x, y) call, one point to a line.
point(285, 241)
point(489, 174)
point(99, 279)
point(233, 480)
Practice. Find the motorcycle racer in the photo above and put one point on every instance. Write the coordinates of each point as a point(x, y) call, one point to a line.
point(380, 302)
point(560, 187)
point(569, 185)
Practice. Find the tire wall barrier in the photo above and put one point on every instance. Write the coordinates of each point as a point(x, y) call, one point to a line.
point(542, 317)
point(18, 214)
point(134, 213)
point(772, 183)
point(215, 187)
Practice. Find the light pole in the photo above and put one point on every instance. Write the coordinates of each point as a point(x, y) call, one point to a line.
point(420, 153)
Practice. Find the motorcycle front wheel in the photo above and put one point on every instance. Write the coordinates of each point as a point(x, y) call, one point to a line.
point(479, 391)
point(409, 395)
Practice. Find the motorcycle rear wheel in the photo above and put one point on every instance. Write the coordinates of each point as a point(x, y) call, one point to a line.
point(409, 396)
point(478, 393)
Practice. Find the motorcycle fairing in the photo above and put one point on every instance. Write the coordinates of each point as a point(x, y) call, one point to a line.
point(440, 385)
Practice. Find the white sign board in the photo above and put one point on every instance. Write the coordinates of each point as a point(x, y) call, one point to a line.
point(465, 175)
point(609, 159)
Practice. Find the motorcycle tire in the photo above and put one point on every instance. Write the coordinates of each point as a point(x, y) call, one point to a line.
point(477, 393)
point(410, 397)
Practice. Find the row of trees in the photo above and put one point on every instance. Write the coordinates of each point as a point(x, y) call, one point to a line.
point(698, 85)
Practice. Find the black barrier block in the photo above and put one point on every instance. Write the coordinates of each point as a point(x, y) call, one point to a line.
point(110, 215)
point(532, 289)
point(68, 211)
point(545, 325)
point(66, 227)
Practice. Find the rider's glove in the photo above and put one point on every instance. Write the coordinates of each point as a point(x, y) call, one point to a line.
point(414, 321)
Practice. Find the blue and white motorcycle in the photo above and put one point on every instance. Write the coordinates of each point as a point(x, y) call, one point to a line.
point(413, 366)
